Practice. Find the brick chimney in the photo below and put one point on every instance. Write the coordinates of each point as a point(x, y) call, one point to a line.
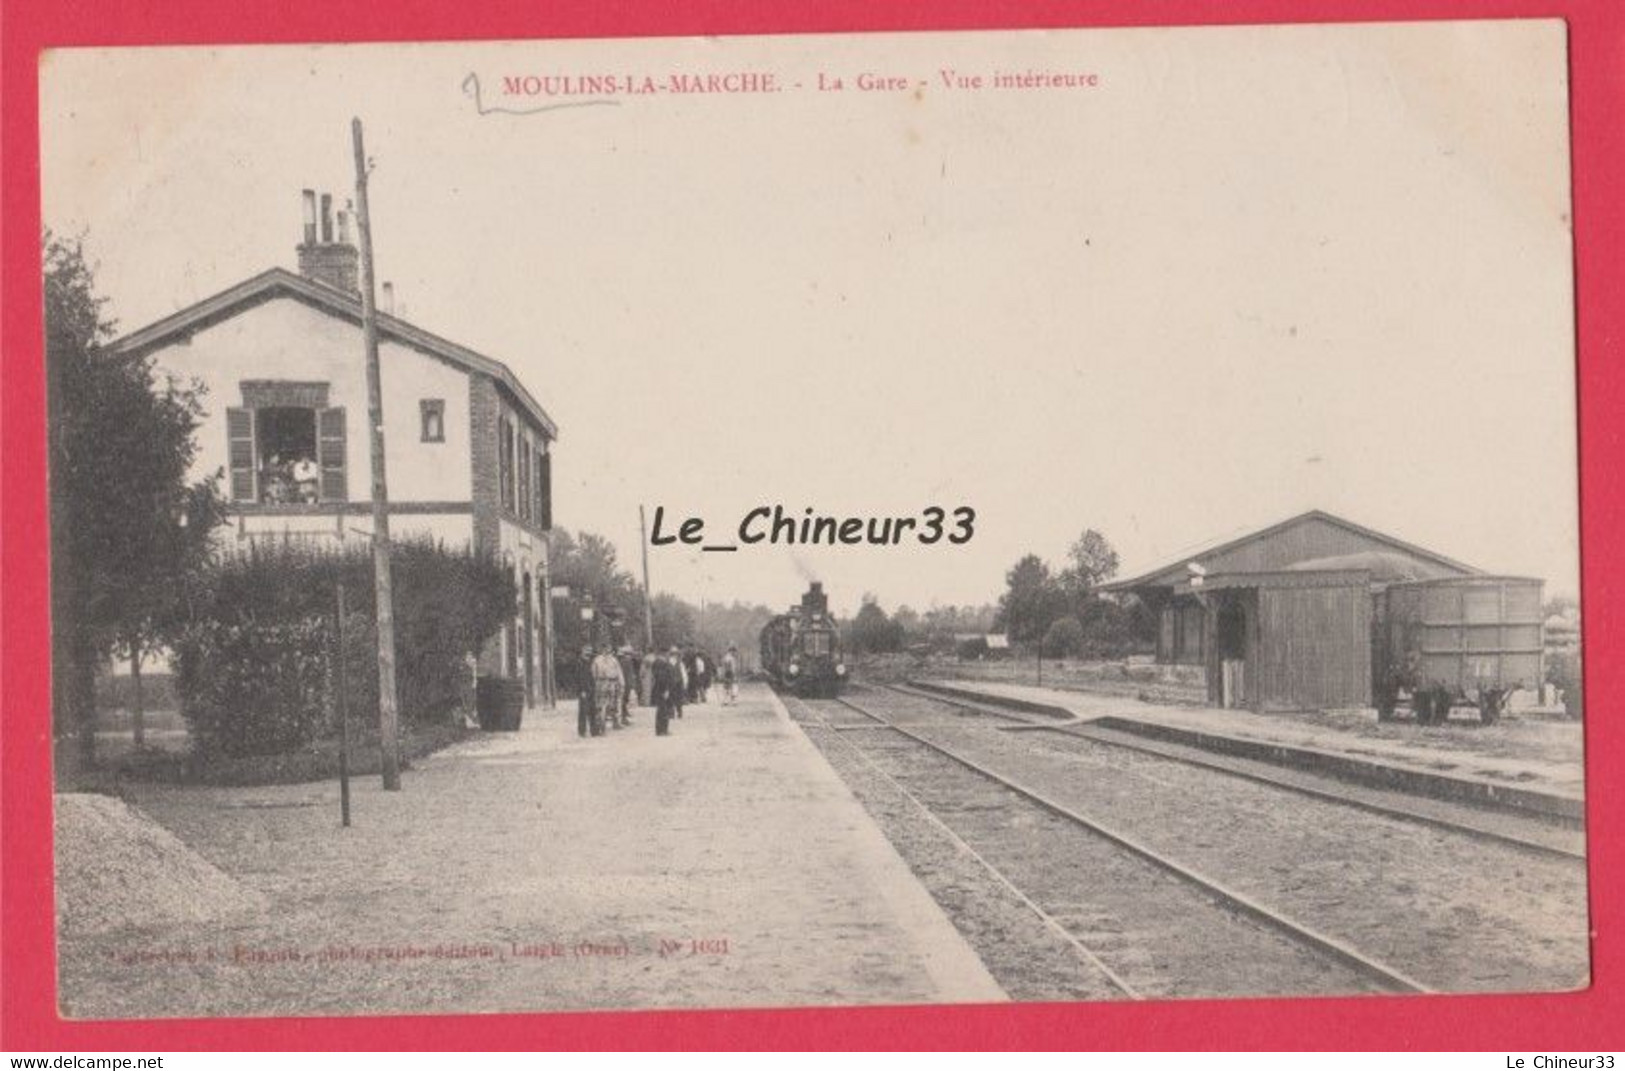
point(324, 257)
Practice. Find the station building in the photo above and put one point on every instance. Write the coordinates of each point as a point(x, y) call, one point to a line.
point(468, 448)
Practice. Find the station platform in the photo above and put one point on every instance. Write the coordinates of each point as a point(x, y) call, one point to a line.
point(723, 866)
point(1517, 764)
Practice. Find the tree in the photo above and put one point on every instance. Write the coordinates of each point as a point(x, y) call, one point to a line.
point(586, 565)
point(1091, 561)
point(127, 528)
point(872, 631)
point(907, 621)
point(1064, 638)
point(673, 621)
point(737, 623)
point(156, 603)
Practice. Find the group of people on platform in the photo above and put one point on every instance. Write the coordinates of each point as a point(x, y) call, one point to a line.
point(611, 682)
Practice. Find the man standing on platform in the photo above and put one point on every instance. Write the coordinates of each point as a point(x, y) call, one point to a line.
point(632, 691)
point(607, 684)
point(665, 689)
point(680, 662)
point(730, 676)
point(584, 697)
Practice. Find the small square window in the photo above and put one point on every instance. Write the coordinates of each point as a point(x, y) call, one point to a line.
point(434, 419)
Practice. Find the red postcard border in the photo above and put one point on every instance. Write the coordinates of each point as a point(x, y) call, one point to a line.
point(28, 1016)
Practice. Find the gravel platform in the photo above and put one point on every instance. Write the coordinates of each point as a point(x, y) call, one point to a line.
point(725, 865)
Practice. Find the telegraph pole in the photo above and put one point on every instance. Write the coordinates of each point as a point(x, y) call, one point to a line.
point(388, 715)
point(648, 609)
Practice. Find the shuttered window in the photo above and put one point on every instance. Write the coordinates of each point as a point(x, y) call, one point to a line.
point(525, 487)
point(544, 490)
point(240, 450)
point(331, 448)
point(505, 461)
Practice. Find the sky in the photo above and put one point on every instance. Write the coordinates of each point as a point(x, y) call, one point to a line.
point(1248, 272)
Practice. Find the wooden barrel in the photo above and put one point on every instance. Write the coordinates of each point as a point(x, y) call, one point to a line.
point(500, 702)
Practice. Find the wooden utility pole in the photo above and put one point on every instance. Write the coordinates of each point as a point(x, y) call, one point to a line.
point(388, 715)
point(341, 686)
point(648, 607)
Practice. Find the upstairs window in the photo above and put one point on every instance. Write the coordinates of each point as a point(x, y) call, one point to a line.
point(286, 454)
point(433, 413)
point(525, 488)
point(505, 466)
point(544, 488)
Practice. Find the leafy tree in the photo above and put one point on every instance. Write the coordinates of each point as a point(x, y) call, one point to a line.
point(1091, 561)
point(872, 631)
point(673, 621)
point(586, 565)
point(250, 658)
point(127, 527)
point(740, 624)
point(1032, 599)
point(941, 626)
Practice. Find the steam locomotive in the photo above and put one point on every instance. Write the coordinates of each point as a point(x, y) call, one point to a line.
point(801, 650)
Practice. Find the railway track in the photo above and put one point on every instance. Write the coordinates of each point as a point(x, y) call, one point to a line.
point(1524, 833)
point(1151, 925)
point(1095, 833)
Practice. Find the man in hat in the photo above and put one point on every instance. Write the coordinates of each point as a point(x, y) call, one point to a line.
point(730, 676)
point(584, 697)
point(632, 691)
point(607, 686)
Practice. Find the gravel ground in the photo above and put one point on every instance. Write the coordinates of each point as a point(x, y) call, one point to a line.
point(1160, 935)
point(723, 866)
point(1533, 752)
point(1028, 957)
point(1457, 913)
point(116, 868)
point(1159, 684)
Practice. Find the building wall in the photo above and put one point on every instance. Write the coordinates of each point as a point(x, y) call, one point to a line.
point(284, 338)
point(525, 552)
point(447, 490)
point(484, 411)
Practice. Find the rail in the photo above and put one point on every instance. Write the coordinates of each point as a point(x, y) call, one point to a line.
point(1384, 975)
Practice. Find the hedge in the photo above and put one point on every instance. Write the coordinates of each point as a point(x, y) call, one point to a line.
point(252, 657)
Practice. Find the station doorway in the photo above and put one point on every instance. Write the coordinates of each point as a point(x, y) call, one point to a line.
point(1230, 651)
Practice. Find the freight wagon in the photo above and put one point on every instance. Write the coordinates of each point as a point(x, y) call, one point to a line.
point(1461, 641)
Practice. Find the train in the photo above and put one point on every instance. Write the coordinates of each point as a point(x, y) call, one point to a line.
point(801, 650)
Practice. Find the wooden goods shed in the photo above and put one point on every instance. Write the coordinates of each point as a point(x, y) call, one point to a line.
point(1281, 618)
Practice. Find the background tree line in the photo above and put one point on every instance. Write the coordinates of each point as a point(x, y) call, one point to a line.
point(585, 566)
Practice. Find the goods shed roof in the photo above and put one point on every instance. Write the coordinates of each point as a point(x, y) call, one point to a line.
point(1316, 541)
